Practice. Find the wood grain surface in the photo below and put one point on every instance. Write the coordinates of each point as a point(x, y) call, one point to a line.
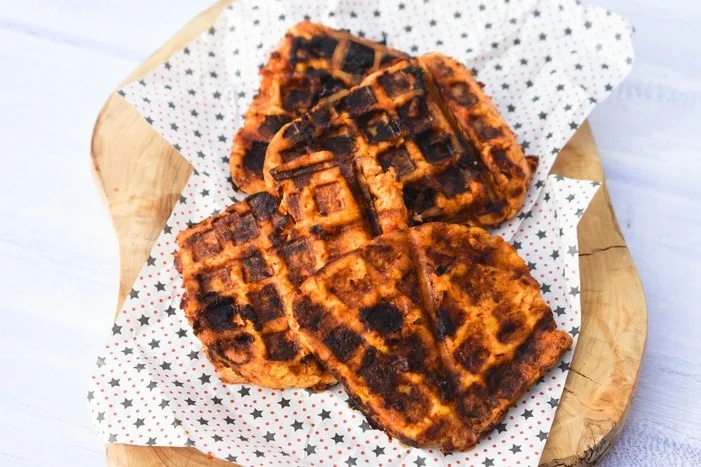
point(141, 176)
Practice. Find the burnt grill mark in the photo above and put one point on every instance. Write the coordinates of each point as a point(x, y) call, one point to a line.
point(343, 342)
point(328, 198)
point(446, 386)
point(320, 116)
point(504, 381)
point(294, 152)
point(255, 268)
point(272, 124)
point(254, 157)
point(378, 126)
point(209, 278)
point(242, 228)
point(309, 315)
point(509, 330)
point(449, 319)
point(280, 346)
point(383, 318)
point(453, 182)
point(394, 84)
point(415, 116)
point(299, 259)
point(323, 46)
point(382, 256)
point(297, 131)
point(298, 172)
point(329, 85)
point(388, 59)
point(338, 141)
point(359, 58)
point(359, 101)
point(418, 196)
point(435, 146)
point(263, 205)
point(413, 405)
point(266, 304)
point(399, 159)
point(379, 374)
point(472, 354)
point(415, 353)
point(409, 286)
point(483, 130)
point(219, 315)
point(461, 94)
point(476, 402)
point(204, 245)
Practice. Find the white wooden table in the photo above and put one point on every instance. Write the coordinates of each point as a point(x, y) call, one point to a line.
point(58, 254)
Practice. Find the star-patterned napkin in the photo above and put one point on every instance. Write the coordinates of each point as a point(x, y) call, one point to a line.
point(545, 63)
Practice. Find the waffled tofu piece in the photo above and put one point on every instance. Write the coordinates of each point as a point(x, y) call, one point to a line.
point(434, 331)
point(312, 62)
point(239, 268)
point(415, 155)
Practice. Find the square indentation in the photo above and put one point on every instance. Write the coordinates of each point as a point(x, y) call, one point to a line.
point(329, 198)
point(337, 141)
point(349, 286)
point(359, 58)
point(416, 115)
point(462, 95)
point(266, 304)
point(214, 281)
point(205, 245)
point(453, 182)
point(378, 126)
point(399, 159)
point(297, 95)
point(434, 146)
point(254, 267)
point(419, 197)
point(485, 132)
point(299, 260)
point(254, 157)
point(359, 101)
point(323, 46)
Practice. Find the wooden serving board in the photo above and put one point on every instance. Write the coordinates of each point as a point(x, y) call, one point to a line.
point(141, 176)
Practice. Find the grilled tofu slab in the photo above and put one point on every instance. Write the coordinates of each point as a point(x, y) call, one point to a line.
point(434, 331)
point(312, 62)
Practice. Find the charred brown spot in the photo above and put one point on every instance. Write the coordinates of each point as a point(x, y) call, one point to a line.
point(272, 124)
point(378, 126)
point(416, 353)
point(383, 318)
point(299, 259)
point(347, 287)
point(419, 196)
point(435, 146)
point(415, 115)
point(360, 101)
point(280, 346)
point(449, 317)
point(297, 131)
point(409, 286)
point(343, 342)
point(329, 85)
point(388, 59)
point(266, 304)
point(382, 256)
point(240, 229)
point(460, 92)
point(484, 131)
point(472, 354)
point(298, 95)
point(214, 280)
point(309, 315)
point(395, 83)
point(329, 198)
point(446, 386)
point(219, 314)
point(477, 403)
point(337, 141)
point(204, 245)
point(294, 152)
point(397, 158)
point(254, 157)
point(504, 381)
point(255, 268)
point(263, 205)
point(323, 46)
point(509, 330)
point(413, 405)
point(378, 372)
point(359, 58)
point(320, 116)
point(453, 182)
